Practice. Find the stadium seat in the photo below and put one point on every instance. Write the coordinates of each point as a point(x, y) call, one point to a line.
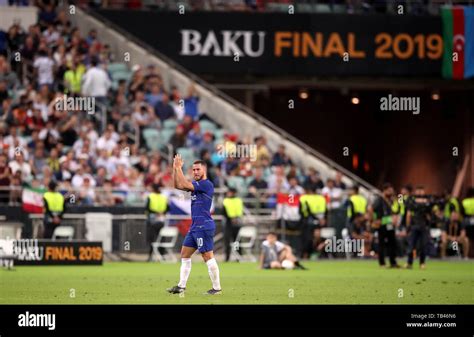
point(170, 124)
point(207, 125)
point(238, 183)
point(121, 75)
point(66, 232)
point(167, 240)
point(219, 133)
point(244, 242)
point(165, 135)
point(117, 67)
point(187, 155)
point(152, 138)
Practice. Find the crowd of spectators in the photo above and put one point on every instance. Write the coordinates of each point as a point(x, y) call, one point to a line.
point(101, 160)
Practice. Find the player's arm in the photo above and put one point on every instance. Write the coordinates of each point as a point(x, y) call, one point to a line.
point(180, 181)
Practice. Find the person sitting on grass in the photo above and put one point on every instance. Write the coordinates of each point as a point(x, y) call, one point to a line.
point(274, 252)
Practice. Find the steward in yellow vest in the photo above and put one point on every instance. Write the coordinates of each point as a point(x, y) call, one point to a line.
point(313, 210)
point(54, 206)
point(357, 204)
point(468, 212)
point(156, 209)
point(233, 208)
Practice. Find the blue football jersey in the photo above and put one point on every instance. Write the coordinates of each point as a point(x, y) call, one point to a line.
point(201, 201)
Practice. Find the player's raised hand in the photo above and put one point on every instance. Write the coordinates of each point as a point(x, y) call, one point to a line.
point(178, 161)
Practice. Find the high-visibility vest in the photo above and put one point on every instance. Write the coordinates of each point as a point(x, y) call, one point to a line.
point(447, 210)
point(468, 205)
point(74, 77)
point(158, 203)
point(55, 201)
point(315, 202)
point(234, 207)
point(399, 207)
point(359, 203)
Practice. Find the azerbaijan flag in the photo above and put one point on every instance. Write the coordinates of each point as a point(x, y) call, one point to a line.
point(458, 37)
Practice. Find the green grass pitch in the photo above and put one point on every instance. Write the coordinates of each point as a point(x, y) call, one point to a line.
point(326, 282)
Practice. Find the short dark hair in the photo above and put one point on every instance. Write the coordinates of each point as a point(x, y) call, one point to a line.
point(272, 233)
point(420, 187)
point(386, 186)
point(408, 187)
point(52, 185)
point(200, 162)
point(355, 188)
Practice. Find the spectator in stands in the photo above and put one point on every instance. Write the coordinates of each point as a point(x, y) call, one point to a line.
point(96, 82)
point(106, 142)
point(38, 161)
point(154, 96)
point(313, 180)
point(262, 151)
point(277, 181)
point(194, 138)
point(144, 117)
point(44, 69)
point(333, 194)
point(5, 176)
point(137, 82)
point(64, 172)
point(177, 103)
point(78, 178)
point(47, 14)
point(4, 94)
point(49, 135)
point(86, 192)
point(18, 164)
point(163, 109)
point(294, 188)
point(67, 128)
point(338, 181)
point(51, 35)
point(179, 138)
point(15, 188)
point(105, 196)
point(280, 157)
point(120, 179)
point(207, 143)
point(191, 103)
point(256, 186)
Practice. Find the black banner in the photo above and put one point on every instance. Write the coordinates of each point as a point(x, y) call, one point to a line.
point(356, 320)
point(48, 252)
point(291, 44)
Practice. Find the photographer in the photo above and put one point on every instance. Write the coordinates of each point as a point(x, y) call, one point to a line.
point(418, 223)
